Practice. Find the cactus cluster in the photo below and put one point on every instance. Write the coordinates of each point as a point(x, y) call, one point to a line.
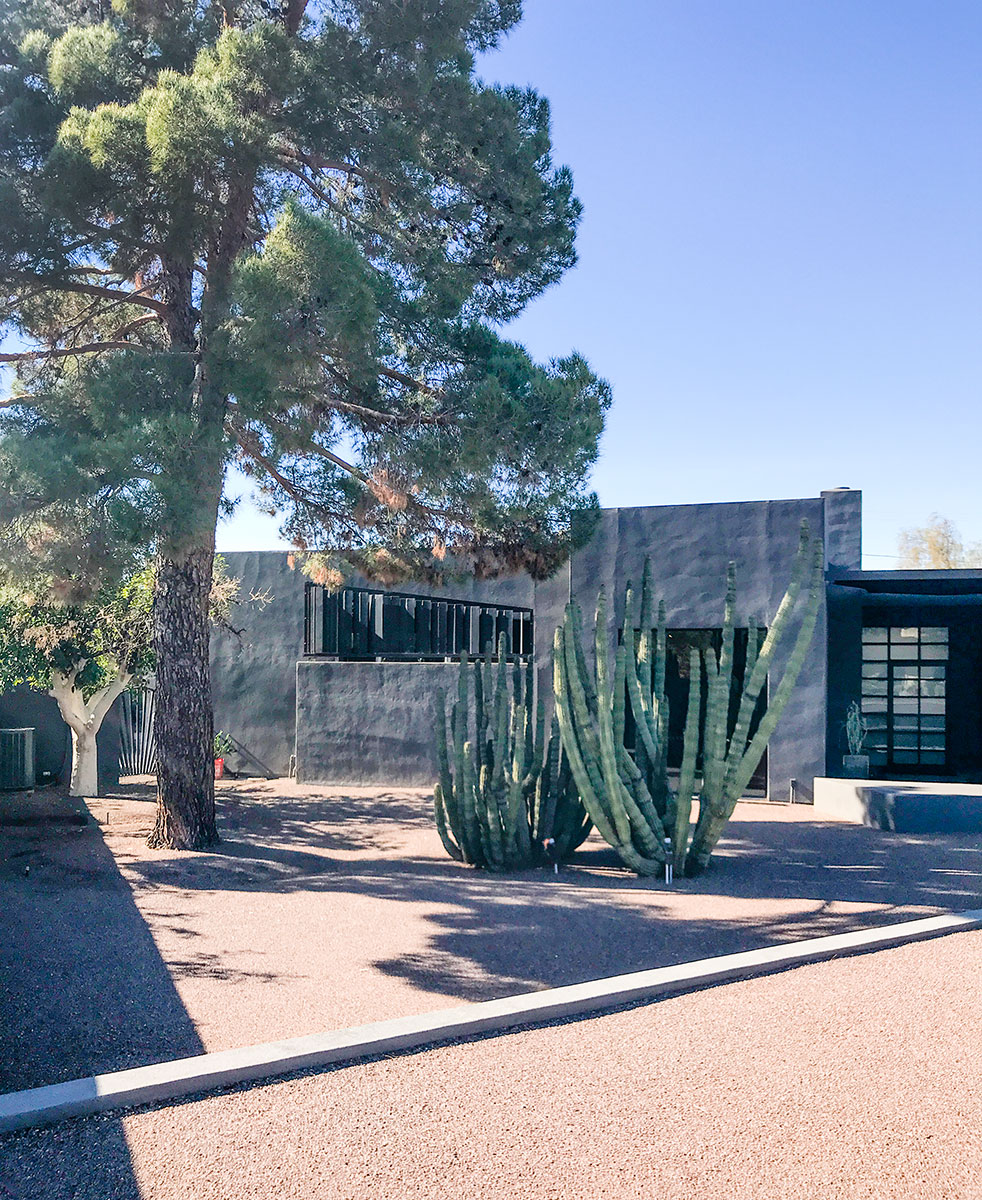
point(505, 798)
point(629, 795)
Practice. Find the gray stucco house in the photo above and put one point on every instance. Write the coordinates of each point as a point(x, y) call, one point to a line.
point(298, 697)
point(339, 688)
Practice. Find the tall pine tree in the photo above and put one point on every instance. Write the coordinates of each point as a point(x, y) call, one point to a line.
point(282, 234)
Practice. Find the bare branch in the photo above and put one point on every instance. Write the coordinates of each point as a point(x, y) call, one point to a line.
point(150, 318)
point(91, 289)
point(70, 352)
point(408, 381)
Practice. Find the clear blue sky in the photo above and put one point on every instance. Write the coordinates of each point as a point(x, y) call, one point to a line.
point(781, 253)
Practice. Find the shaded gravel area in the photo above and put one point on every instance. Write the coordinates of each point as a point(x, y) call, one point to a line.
point(326, 908)
point(847, 1080)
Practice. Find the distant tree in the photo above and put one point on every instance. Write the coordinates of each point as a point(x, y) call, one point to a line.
point(84, 655)
point(936, 546)
point(287, 236)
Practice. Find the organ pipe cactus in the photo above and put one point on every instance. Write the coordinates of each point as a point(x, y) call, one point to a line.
point(505, 798)
point(629, 796)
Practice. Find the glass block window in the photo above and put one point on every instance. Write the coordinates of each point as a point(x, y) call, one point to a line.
point(903, 695)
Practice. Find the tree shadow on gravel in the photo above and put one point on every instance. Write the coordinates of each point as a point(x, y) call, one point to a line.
point(490, 935)
point(75, 1160)
point(331, 822)
point(84, 990)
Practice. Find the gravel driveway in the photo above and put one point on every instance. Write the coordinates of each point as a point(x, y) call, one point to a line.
point(855, 1079)
point(325, 908)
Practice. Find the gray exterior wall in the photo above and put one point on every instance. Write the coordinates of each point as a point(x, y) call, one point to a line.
point(24, 708)
point(255, 675)
point(253, 671)
point(368, 722)
point(372, 722)
point(690, 547)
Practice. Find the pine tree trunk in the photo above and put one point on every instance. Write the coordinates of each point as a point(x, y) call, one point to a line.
point(85, 764)
point(183, 726)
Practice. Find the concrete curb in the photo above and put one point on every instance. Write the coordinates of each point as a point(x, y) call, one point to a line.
point(206, 1072)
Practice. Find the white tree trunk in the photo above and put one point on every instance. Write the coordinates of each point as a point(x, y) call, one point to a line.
point(85, 764)
point(84, 718)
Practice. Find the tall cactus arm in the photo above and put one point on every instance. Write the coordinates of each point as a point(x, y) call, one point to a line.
point(661, 658)
point(547, 787)
point(619, 694)
point(758, 676)
point(574, 617)
point(480, 713)
point(646, 722)
point(617, 794)
point(583, 718)
point(474, 845)
point(645, 650)
point(718, 701)
point(517, 834)
point(440, 815)
point(647, 828)
point(535, 747)
point(709, 831)
point(449, 799)
point(629, 802)
point(690, 751)
point(588, 784)
point(753, 642)
point(502, 717)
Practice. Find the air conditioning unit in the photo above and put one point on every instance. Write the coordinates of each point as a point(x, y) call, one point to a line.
point(16, 760)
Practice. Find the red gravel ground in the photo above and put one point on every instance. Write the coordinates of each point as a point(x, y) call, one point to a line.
point(325, 908)
point(849, 1080)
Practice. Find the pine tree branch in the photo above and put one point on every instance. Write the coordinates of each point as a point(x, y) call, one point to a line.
point(71, 351)
point(249, 444)
point(374, 414)
point(316, 163)
point(150, 318)
point(311, 447)
point(384, 418)
point(408, 381)
point(311, 184)
point(91, 289)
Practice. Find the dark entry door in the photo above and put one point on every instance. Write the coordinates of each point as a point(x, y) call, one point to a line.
point(904, 697)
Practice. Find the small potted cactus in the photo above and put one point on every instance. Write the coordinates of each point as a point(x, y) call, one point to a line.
point(223, 748)
point(855, 764)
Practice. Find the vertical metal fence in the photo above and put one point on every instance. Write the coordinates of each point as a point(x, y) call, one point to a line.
point(137, 748)
point(361, 623)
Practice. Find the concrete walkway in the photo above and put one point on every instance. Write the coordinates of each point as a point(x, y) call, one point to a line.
point(840, 1081)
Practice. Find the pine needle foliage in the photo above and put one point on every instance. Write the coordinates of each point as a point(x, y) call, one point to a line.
point(283, 235)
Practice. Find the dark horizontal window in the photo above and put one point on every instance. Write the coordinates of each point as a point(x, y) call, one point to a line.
point(359, 624)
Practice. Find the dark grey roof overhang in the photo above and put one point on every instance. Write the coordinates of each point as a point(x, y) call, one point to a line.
point(912, 585)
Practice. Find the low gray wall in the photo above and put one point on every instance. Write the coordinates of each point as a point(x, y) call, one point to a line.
point(368, 722)
point(24, 708)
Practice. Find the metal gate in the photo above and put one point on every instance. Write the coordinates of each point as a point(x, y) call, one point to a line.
point(137, 749)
